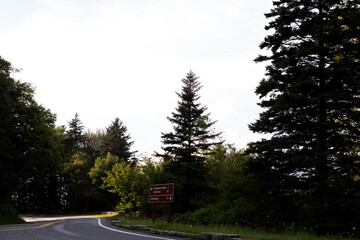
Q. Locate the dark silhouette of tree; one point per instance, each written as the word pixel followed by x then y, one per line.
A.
pixel 11 156
pixel 117 142
pixel 30 148
pixel 185 147
pixel 75 139
pixel 310 167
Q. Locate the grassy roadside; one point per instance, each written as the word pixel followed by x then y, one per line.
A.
pixel 5 220
pixel 243 232
pixel 8 214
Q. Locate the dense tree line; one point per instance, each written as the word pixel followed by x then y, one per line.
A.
pixel 29 144
pixel 306 175
pixel 46 168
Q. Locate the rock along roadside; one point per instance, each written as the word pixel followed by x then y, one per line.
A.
pixel 201 236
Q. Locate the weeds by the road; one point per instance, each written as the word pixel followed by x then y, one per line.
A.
pixel 8 214
pixel 243 232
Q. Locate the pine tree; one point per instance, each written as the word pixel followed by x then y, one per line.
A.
pixel 75 138
pixel 117 142
pixel 311 99
pixel 186 146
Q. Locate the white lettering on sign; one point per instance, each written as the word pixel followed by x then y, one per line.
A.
pixel 161 193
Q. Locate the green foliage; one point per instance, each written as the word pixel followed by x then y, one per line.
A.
pixel 93 142
pixel 80 194
pixel 15 98
pixel 77 168
pixel 226 174
pixel 232 197
pixel 192 128
pixel 101 166
pixel 45 168
pixel 75 138
pixel 307 171
pixel 8 214
pixel 243 232
pixel 77 182
pixel 184 147
pixel 39 183
pixel 153 171
pixel 235 195
pixel 30 146
pixel 76 164
pixel 127 182
pixel 202 216
pixel 117 142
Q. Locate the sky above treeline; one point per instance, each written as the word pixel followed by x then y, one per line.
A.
pixel 105 59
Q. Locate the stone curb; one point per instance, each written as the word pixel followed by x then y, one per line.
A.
pixel 201 236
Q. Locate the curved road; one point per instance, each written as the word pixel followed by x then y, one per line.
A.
pixel 73 229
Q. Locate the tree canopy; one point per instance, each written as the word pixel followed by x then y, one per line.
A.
pixel 30 147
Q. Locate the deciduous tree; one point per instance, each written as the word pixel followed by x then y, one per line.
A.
pixel 30 146
pixel 127 182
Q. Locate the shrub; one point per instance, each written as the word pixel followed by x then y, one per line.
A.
pixel 8 214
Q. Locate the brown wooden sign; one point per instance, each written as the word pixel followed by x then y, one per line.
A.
pixel 161 193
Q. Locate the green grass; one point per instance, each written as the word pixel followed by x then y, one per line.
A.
pixel 243 232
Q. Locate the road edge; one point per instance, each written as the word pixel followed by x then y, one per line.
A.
pixel 131 233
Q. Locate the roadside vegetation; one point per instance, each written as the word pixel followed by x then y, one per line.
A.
pixel 243 232
pixel 8 214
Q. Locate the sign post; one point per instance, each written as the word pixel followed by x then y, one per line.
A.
pixel 161 193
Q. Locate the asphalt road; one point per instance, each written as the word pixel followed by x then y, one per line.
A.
pixel 73 229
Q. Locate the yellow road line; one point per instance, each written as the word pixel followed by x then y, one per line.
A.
pixel 12 225
pixel 26 228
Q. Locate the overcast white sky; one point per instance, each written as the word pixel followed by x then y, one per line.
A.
pixel 105 59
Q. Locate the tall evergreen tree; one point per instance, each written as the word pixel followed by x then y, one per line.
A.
pixel 185 147
pixel 117 142
pixel 311 96
pixel 75 138
pixel 77 163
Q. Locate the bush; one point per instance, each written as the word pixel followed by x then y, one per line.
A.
pixel 8 214
pixel 202 216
